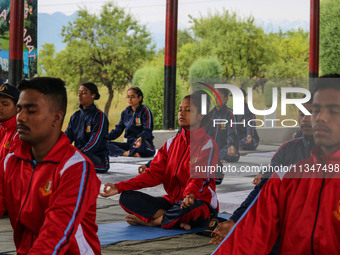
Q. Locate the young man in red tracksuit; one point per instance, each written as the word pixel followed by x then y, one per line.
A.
pixel 9 96
pixel 191 198
pixel 48 187
pixel 303 206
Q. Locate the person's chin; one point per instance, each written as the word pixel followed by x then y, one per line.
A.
pixel 25 137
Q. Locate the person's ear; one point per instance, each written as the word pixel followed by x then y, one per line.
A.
pixel 58 119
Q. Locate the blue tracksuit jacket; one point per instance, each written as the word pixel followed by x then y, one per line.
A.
pixel 88 130
pixel 247 130
pixel 290 152
pixel 225 135
pixel 136 124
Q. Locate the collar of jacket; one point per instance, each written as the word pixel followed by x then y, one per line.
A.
pixel 223 107
pixel 333 158
pixel 129 108
pixel 192 135
pixel 308 143
pixel 12 122
pixel 90 108
pixel 57 152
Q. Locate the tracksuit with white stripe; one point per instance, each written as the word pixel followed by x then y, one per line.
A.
pixel 289 153
pixel 176 167
pixel 51 204
pixel 136 124
pixel 88 130
pixel 302 207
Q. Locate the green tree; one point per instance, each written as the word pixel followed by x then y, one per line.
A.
pixel 150 78
pixel 206 68
pixel 238 43
pixel 105 49
pixel 292 54
pixel 330 36
pixel 47 64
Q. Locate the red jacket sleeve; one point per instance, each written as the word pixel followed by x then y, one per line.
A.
pixel 2 195
pixel 258 229
pixel 152 176
pixel 74 197
pixel 208 156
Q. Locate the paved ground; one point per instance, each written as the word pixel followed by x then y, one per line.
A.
pixel 231 193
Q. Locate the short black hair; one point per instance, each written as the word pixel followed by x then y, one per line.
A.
pixel 195 99
pixel 138 92
pixel 92 88
pixel 327 81
pixel 199 93
pixel 53 88
pixel 224 91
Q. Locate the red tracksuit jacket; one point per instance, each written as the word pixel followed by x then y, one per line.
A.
pixel 9 137
pixel 305 211
pixel 51 204
pixel 173 164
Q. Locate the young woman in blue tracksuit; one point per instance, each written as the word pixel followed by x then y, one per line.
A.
pixel 137 121
pixel 247 135
pixel 88 128
pixel 224 134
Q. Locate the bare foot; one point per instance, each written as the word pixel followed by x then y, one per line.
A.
pixel 186 226
pixel 126 153
pixel 134 221
pixel 137 155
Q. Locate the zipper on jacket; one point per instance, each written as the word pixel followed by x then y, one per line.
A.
pixel 179 191
pixel 318 207
pixel 34 164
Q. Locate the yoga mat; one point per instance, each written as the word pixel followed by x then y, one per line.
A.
pixel 112 233
pixel 121 231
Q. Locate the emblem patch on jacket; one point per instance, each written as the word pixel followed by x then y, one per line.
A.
pixel 7 145
pixel 193 160
pixel 3 87
pixel 88 129
pixel 223 126
pixel 46 190
pixel 138 122
pixel 336 213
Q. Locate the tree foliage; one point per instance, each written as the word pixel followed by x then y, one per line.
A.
pixel 292 54
pixel 330 36
pixel 150 78
pixel 104 49
pixel 238 43
pixel 206 68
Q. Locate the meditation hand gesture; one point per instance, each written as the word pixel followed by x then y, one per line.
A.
pixel 231 150
pixel 138 143
pixel 221 231
pixel 109 190
pixel 188 201
pixel 249 139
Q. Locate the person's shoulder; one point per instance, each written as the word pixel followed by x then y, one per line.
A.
pixel 228 110
pixel 291 143
pixel 145 108
pixel 75 114
pixel 73 156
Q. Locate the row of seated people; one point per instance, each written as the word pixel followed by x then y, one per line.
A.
pixel 46 152
pixel 88 129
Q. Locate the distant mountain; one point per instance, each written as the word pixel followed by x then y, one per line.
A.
pixel 50 26
pixel 285 25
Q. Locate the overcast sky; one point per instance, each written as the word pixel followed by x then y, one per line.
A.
pixel 149 11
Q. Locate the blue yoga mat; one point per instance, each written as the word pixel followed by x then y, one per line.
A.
pixel 121 231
